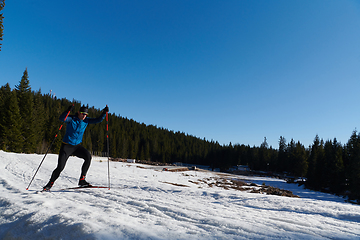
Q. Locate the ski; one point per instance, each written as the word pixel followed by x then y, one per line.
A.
pixel 41 191
pixel 76 188
pixel 73 188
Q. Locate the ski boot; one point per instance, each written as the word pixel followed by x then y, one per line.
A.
pixel 48 186
pixel 83 183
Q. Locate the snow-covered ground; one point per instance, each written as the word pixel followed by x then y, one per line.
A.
pixel 147 203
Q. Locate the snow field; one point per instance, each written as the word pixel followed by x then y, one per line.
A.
pixel 147 203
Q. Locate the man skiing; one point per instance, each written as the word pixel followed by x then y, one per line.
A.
pixel 75 128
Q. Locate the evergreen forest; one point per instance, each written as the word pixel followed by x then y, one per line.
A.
pixel 29 123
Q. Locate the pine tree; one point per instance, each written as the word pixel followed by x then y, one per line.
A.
pixel 11 137
pixel 316 166
pixel 26 107
pixel 335 166
pixel 282 157
pixel 353 171
pixel 39 115
pixel 2 110
pixel 264 156
pixel 300 160
pixel 54 109
pixel 289 166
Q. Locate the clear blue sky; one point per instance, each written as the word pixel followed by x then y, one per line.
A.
pixel 228 71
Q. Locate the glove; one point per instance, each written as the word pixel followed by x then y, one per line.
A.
pixel 70 108
pixel 106 109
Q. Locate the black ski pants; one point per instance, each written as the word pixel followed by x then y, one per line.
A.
pixel 66 151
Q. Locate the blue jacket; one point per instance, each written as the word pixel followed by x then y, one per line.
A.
pixel 75 127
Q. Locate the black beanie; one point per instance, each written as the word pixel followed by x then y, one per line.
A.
pixel 83 109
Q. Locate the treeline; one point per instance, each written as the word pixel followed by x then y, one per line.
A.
pixel 29 123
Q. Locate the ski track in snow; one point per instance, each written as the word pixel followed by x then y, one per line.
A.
pixel 143 203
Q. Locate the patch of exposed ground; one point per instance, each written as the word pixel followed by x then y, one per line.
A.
pixel 228 183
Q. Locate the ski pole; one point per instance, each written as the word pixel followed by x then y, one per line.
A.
pixel 48 150
pixel 107 139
